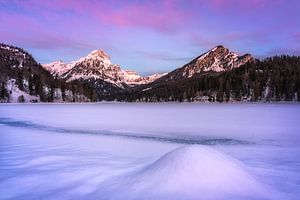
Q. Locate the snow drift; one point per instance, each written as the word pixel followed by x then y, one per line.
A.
pixel 190 172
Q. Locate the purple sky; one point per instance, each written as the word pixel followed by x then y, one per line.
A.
pixel 150 36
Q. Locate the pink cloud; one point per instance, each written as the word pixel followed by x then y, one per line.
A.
pixel 159 15
pixel 160 18
pixel 26 31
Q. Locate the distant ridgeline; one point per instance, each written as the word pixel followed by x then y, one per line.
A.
pixel 215 76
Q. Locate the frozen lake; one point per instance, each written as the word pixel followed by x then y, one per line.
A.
pixel 150 151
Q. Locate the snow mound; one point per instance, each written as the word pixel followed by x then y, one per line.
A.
pixel 193 172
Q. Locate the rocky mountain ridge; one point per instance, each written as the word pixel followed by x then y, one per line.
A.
pixel 97 65
pixel 218 59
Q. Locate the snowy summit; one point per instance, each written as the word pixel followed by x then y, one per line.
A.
pixel 97 65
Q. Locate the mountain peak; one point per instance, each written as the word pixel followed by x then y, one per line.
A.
pixel 217 59
pixel 99 54
pixel 218 47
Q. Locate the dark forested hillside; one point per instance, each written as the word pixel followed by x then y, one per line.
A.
pixel 21 76
pixel 272 79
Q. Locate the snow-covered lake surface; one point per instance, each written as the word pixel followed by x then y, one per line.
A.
pixel 150 151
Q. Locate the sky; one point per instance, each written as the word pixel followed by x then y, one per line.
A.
pixel 150 36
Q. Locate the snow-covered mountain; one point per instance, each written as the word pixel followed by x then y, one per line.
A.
pixel 218 59
pixel 211 76
pixel 184 82
pixel 97 66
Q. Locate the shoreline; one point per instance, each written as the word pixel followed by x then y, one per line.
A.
pixel 170 102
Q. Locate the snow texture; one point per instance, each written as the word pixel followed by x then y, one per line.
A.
pixel 15 93
pixel 150 151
